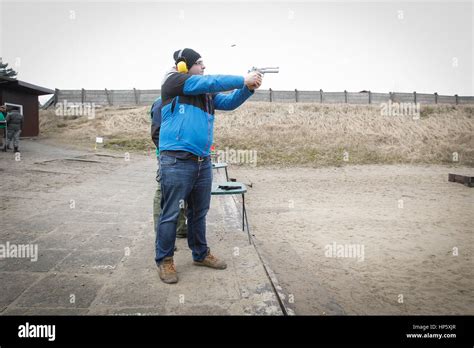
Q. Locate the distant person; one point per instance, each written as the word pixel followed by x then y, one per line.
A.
pixel 3 123
pixel 14 125
pixel 189 99
pixel 182 229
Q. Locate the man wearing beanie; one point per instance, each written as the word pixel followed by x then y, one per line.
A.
pixel 189 99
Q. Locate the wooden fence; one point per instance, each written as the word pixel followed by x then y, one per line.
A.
pixel 146 97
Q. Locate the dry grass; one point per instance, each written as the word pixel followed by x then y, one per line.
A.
pixel 303 134
pixel 123 128
pixel 319 134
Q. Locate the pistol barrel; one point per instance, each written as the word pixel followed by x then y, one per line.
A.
pixel 269 70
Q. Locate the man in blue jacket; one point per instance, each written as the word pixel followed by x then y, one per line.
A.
pixel 189 99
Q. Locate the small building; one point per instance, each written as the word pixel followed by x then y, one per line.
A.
pixel 23 96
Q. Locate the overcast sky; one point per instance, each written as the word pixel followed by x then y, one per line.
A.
pixel 389 46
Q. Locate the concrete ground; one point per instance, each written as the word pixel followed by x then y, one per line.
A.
pixel 91 217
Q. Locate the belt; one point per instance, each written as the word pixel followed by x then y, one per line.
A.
pixel 184 155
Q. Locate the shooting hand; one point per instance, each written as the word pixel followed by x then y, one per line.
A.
pixel 256 85
pixel 253 80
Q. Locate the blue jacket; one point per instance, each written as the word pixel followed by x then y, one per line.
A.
pixel 188 104
pixel 155 114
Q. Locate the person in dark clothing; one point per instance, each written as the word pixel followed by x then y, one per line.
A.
pixel 3 127
pixel 14 125
pixel 182 228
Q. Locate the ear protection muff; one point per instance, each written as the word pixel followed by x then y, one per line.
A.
pixel 181 64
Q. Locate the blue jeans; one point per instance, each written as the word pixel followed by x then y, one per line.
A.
pixel 183 181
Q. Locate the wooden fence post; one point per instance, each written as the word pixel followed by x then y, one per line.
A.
pixel 296 95
pixel 56 96
pixel 271 95
pixel 345 96
pixel 457 99
pixel 370 97
pixel 83 95
pixel 414 97
pixel 436 97
pixel 321 96
pixel 109 99
pixel 137 97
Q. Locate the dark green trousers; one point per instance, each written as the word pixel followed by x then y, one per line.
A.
pixel 181 228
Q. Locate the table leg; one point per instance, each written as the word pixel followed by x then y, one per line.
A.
pixel 244 215
pixel 243 210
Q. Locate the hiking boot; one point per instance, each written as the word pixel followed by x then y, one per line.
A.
pixel 16 150
pixel 211 261
pixel 167 271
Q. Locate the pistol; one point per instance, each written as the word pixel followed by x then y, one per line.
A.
pixel 270 70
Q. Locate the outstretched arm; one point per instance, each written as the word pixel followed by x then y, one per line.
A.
pixel 198 84
pixel 178 84
pixel 232 100
pixel 184 84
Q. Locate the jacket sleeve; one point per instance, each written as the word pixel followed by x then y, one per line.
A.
pixel 198 84
pixel 233 100
pixel 184 84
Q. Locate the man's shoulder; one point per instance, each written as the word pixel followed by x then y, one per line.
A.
pixel 175 78
pixel 173 86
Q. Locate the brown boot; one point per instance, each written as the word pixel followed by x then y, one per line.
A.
pixel 167 271
pixel 211 261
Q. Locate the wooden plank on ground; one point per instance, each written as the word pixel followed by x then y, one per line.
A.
pixel 462 179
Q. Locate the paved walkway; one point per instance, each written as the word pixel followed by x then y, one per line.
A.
pixel 91 218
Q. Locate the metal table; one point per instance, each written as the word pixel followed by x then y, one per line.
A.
pixel 220 165
pixel 236 189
